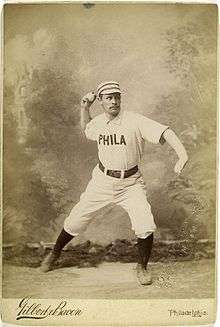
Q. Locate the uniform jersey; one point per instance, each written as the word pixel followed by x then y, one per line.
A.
pixel 121 140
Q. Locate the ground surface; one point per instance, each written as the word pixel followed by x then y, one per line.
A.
pixel 188 279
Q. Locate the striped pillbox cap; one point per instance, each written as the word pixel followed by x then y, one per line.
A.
pixel 108 88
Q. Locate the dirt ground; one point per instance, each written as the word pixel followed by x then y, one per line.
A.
pixel 188 279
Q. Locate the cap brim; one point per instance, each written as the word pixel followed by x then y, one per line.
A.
pixel 111 91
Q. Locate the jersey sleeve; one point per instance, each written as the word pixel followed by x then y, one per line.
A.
pixel 91 130
pixel 151 130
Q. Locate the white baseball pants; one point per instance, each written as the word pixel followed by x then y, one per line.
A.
pixel 129 193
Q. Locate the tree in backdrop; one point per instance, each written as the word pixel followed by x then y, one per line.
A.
pixel 42 160
pixel 23 187
pixel 191 58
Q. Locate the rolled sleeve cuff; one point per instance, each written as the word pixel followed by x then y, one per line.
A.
pixel 162 139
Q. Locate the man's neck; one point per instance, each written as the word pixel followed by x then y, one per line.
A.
pixel 111 117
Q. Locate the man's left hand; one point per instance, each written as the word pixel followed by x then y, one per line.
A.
pixel 180 165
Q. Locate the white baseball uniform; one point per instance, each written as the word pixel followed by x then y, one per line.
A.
pixel 120 146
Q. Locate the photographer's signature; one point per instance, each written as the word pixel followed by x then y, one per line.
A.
pixel 32 309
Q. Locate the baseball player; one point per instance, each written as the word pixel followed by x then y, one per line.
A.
pixel 120 136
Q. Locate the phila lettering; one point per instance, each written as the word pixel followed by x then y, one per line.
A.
pixel 112 139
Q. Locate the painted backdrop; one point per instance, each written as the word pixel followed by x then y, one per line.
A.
pixel 164 57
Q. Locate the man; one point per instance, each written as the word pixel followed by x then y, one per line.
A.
pixel 120 137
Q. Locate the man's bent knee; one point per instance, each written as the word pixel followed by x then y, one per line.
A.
pixel 74 227
pixel 69 230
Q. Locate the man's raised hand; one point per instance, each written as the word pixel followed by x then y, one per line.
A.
pixel 88 100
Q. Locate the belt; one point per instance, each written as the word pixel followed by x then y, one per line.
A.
pixel 118 173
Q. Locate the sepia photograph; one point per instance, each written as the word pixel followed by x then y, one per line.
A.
pixel 109 163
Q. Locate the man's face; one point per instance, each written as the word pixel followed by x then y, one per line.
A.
pixel 111 103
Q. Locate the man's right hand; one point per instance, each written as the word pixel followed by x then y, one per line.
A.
pixel 88 100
